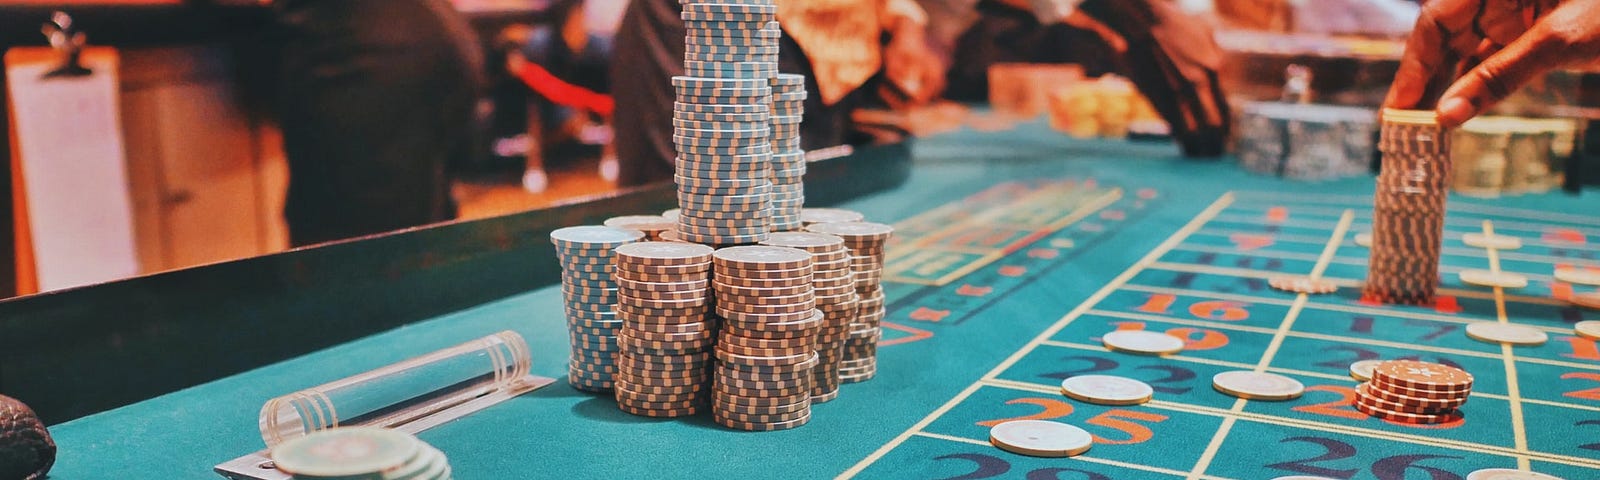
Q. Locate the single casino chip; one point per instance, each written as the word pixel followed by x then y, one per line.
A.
pixel 1578 275
pixel 1589 300
pixel 1300 284
pixel 1589 329
pixel 1142 342
pixel 593 236
pixel 1106 390
pixel 1496 332
pixel 1040 438
pixel 1362 370
pixel 1365 397
pixel 760 427
pixel 663 253
pixel 1389 395
pixel 644 223
pixel 1508 474
pixel 1411 418
pixel 1423 376
pixel 1364 239
pixel 760 257
pixel 1497 242
pixel 1257 385
pixel 1486 278
pixel 346 452
pixel 854 233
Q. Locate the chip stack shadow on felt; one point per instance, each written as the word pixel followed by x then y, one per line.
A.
pixel 722 123
pixel 1408 208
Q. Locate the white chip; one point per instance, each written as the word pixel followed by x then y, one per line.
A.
pixel 1106 390
pixel 1485 278
pixel 1257 385
pixel 1496 332
pixel 1142 342
pixel 1497 242
pixel 1508 474
pixel 1362 370
pixel 1585 300
pixel 1364 239
pixel 1589 329
pixel 1578 275
pixel 1040 438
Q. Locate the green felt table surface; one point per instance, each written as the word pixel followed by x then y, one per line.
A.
pixel 970 345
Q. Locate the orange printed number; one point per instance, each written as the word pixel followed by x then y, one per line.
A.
pixel 1338 408
pixel 1220 310
pixel 1582 349
pixel 1590 394
pixel 1159 303
pixel 1114 419
pixel 1050 409
pixel 1207 339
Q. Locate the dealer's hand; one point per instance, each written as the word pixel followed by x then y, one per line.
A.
pixel 1517 40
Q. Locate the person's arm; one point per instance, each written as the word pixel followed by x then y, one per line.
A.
pixel 908 62
pixel 1518 41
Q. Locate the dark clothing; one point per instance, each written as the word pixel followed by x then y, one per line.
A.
pixel 649 51
pixel 378 97
pixel 1006 34
pixel 1173 60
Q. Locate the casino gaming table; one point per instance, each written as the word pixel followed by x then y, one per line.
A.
pixel 1014 251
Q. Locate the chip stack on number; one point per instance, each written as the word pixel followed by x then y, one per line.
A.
pixel 1415 392
pixel 767 347
pixel 788 159
pixel 591 294
pixel 664 302
pixel 833 286
pixel 360 453
pixel 721 122
pixel 867 242
pixel 1408 208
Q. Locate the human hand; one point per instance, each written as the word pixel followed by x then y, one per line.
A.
pixel 912 67
pixel 1517 40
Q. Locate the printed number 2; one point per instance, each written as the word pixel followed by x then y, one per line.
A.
pixel 1116 419
pixel 989 466
pixel 1387 468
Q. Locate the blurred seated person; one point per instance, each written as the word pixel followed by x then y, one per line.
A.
pixel 1169 55
pixel 565 67
pixel 377 98
pixel 1007 31
pixel 847 49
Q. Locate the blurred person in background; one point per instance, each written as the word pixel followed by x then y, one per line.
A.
pixel 1008 31
pixel 1170 55
pixel 376 98
pixel 565 66
pixel 847 49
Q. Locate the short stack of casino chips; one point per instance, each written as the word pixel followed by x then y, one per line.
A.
pixel 767 347
pixel 585 254
pixel 867 242
pixel 721 122
pixel 664 302
pixel 360 453
pixel 652 225
pixel 788 158
pixel 1408 208
pixel 833 286
pixel 1415 392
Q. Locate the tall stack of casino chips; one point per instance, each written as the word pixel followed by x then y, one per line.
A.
pixel 721 122
pixel 1414 392
pixel 1408 208
pixel 664 302
pixel 788 159
pixel 833 286
pixel 590 293
pixel 767 348
pixel 867 242
pixel 365 453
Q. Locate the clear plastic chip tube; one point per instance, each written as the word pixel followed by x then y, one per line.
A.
pixel 402 392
